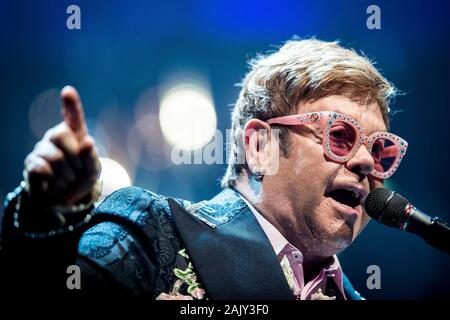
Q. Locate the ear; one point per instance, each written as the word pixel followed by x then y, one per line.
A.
pixel 260 147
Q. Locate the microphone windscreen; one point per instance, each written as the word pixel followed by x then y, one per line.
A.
pixel 386 206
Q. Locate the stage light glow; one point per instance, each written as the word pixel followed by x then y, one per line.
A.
pixel 187 116
pixel 113 176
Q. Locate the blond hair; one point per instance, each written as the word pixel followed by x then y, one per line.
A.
pixel 301 70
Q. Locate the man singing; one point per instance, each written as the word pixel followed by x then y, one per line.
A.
pixel 309 141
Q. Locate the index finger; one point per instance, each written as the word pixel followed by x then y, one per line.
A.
pixel 72 111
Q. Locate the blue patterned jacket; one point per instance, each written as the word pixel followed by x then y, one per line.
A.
pixel 142 243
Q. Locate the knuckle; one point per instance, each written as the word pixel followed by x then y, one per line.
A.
pixel 39 146
pixel 28 159
pixel 37 168
pixel 50 132
pixel 60 133
pixel 31 163
pixel 48 151
pixel 56 158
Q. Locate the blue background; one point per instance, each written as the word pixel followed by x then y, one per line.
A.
pixel 127 48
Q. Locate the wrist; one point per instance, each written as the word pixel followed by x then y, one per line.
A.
pixel 37 220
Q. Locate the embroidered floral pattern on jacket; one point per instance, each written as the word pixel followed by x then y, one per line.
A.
pixel 186 287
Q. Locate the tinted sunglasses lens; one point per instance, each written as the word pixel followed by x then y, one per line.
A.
pixel 342 138
pixel 384 153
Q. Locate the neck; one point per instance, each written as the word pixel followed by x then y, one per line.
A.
pixel 313 258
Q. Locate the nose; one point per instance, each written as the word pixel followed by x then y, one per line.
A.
pixel 361 163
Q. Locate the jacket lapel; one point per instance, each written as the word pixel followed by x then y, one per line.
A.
pixel 231 253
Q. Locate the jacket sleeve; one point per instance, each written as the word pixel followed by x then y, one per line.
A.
pixel 129 246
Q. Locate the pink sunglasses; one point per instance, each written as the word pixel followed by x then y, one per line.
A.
pixel 343 136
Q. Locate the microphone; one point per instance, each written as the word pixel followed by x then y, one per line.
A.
pixel 391 209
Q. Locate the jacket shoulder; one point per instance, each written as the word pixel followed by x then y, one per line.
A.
pixel 125 219
pixel 130 201
pixel 126 215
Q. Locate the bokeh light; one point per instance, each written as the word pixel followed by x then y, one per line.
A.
pixel 113 176
pixel 187 116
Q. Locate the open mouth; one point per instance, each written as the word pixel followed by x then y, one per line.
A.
pixel 346 197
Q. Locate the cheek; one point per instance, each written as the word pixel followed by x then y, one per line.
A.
pixel 311 172
pixel 300 162
pixel 309 159
pixel 306 174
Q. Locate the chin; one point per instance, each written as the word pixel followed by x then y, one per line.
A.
pixel 333 237
pixel 338 241
pixel 341 243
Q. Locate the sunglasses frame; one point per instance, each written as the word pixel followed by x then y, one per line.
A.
pixel 327 118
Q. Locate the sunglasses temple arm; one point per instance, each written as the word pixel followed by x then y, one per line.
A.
pixel 292 121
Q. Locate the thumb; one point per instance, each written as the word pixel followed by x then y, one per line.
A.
pixel 72 111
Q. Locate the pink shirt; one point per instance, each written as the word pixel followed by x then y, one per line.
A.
pixel 291 261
